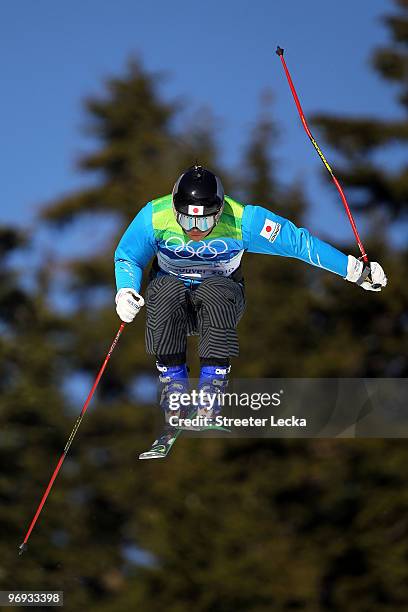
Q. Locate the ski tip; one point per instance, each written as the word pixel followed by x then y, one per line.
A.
pixel 152 455
pixel 156 452
pixel 22 548
pixel 279 50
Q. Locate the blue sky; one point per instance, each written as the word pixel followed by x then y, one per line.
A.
pixel 220 54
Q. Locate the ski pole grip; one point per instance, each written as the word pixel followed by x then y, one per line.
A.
pixel 279 50
pixel 366 276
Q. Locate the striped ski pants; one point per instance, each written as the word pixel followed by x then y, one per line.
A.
pixel 210 310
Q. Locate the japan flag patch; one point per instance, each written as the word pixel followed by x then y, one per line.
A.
pixel 270 230
pixel 195 210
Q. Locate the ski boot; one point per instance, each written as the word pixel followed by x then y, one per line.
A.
pixel 212 384
pixel 174 381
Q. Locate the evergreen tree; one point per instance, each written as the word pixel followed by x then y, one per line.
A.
pixel 372 331
pixel 33 423
pixel 359 139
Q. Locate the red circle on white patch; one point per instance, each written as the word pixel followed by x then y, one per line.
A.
pixel 268 228
pixel 195 210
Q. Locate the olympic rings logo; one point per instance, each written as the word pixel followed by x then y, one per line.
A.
pixel 207 250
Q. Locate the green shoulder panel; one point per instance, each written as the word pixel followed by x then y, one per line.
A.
pixel 229 226
pixel 163 218
pixel 165 224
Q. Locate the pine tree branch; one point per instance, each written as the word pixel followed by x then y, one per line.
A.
pixel 356 136
pixel 377 188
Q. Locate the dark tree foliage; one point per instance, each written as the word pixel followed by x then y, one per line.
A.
pixel 32 421
pixel 358 139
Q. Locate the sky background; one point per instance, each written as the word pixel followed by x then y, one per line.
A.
pixel 219 54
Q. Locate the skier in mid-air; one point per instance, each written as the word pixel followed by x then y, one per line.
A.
pixel 197 236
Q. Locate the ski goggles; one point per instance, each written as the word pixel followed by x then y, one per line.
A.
pixel 189 222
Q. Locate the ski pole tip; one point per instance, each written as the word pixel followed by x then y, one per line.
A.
pixel 279 50
pixel 22 548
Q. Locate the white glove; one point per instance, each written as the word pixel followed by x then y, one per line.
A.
pixel 358 271
pixel 128 304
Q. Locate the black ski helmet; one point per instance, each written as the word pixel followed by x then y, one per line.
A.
pixel 198 187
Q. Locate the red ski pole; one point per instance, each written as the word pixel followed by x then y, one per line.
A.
pixel 23 546
pixel 364 256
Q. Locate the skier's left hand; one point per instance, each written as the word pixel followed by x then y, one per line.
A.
pixel 357 272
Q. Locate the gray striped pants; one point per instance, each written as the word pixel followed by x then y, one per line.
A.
pixel 211 310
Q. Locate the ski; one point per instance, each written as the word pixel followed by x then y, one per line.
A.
pixel 162 445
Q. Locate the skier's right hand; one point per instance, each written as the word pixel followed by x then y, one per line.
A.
pixel 128 304
pixel 357 272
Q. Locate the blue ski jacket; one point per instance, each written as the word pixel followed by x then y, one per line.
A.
pixel 241 228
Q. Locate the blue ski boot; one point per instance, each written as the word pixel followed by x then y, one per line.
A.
pixel 174 381
pixel 211 386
